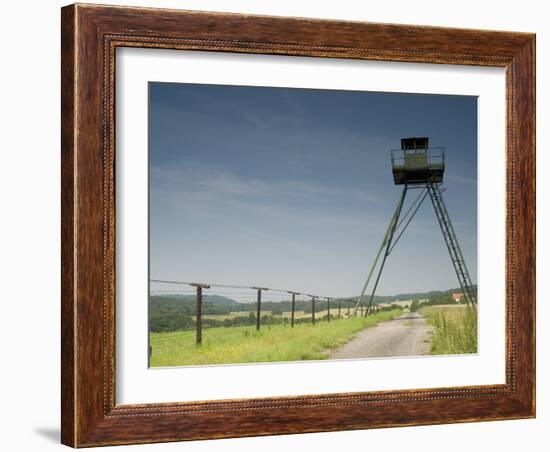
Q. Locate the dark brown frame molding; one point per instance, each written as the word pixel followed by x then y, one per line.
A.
pixel 90 35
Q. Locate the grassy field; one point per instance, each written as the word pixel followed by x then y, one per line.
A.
pixel 455 329
pixel 246 345
pixel 231 315
pixel 287 314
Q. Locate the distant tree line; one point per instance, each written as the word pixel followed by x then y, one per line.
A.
pixel 213 304
pixel 173 314
pixel 177 312
pixel 179 321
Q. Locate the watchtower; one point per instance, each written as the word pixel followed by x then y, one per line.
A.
pixel 417 163
pixel 417 166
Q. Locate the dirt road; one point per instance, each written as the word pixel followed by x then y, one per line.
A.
pixel 407 335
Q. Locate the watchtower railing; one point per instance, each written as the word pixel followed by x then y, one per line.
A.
pixel 418 158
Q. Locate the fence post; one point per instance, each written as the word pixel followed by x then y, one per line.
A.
pixel 339 309
pixel 312 310
pixel 293 306
pixel 349 304
pixel 198 313
pixel 259 310
pixel 328 309
pixel 259 306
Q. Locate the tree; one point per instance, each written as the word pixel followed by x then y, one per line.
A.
pixel 251 318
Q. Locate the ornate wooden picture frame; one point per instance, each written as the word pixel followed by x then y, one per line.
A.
pixel 90 37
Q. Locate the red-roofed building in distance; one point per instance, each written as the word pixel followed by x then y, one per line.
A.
pixel 458 297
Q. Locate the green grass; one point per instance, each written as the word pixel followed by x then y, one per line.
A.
pixel 246 345
pixel 455 329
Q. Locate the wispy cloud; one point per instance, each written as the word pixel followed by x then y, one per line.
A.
pixel 197 182
pixel 219 197
pixel 461 179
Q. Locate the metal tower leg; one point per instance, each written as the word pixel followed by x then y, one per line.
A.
pixel 451 241
pixel 386 242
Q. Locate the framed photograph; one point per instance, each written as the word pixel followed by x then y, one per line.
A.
pixel 281 225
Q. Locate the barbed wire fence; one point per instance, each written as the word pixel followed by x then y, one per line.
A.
pixel 254 297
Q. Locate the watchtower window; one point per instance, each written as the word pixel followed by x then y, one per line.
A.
pixel 412 144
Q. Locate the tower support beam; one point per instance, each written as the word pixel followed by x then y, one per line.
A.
pixel 386 242
pixel 459 264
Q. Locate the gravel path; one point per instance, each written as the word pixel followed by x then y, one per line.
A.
pixel 407 335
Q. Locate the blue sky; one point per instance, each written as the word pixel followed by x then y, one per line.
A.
pixel 292 188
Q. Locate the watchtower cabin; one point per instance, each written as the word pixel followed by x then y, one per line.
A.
pixel 416 163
